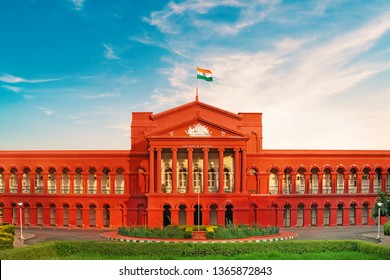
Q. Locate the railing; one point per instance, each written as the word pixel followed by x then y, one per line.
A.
pixel 65 190
pixel 105 191
pixel 2 189
pixel 120 191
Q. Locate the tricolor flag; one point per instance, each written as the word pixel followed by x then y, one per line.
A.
pixel 204 74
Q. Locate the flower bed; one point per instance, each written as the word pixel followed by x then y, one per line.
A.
pixel 229 231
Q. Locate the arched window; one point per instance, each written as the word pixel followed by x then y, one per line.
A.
pixel 227 182
pixel 366 181
pixel 314 181
pixel 287 189
pixel 65 181
pixel 51 181
pixel 327 182
pixel 106 181
pixel 92 181
pixel 119 182
pixel 340 181
pixel 300 182
pixel 2 181
pixel 273 181
pixel 378 181
pixel 213 180
pixel 78 182
pixel 167 180
pixel 13 181
pixel 388 180
pixel 26 181
pixel 38 181
pixel 352 181
pixel 182 180
pixel 198 186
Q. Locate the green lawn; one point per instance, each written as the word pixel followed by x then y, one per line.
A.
pixel 282 250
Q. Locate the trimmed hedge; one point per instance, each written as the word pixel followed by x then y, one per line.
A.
pixel 212 232
pixel 65 249
pixel 386 228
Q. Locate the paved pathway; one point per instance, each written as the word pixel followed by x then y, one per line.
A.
pixel 37 235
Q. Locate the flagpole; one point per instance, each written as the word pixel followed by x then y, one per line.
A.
pixel 196 97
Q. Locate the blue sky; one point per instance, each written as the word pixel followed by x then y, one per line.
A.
pixel 73 71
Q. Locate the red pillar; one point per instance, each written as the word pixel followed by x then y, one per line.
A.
pixel 372 176
pixel 307 182
pixel 358 215
pixel 280 182
pixel 320 179
pixel 174 169
pixel 220 171
pixel 293 182
pixel 293 216
pixel 359 175
pixel 334 181
pixel 243 170
pixel 158 171
pixel 320 216
pixel 333 216
pixel 205 170
pixel 236 170
pixel 384 175
pixel 190 185
pixel 346 181
pixel 151 171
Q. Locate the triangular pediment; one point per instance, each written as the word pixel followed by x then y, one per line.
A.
pixel 196 128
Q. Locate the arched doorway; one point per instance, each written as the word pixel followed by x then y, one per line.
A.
pixel 106 215
pixel 313 213
pixel 327 214
pixel 182 215
pixel 352 214
pixel 198 215
pixel 229 214
pixel 300 215
pixel 27 214
pixel 79 215
pixel 287 215
pixel 92 215
pixel 53 209
pixel 167 215
pixel 66 214
pixel 213 215
pixel 340 210
pixel 39 214
pixel 365 213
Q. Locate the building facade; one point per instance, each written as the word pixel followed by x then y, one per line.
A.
pixel 193 164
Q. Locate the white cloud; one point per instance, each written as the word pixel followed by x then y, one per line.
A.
pixel 299 85
pixel 191 12
pixel 12 88
pixel 78 4
pixel 46 111
pixel 109 52
pixel 10 79
pixel 101 95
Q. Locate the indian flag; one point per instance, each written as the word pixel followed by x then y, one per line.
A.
pixel 204 74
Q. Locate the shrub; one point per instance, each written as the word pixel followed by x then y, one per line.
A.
pixel 188 232
pixel 210 233
pixel 8 228
pixel 386 228
pixel 6 240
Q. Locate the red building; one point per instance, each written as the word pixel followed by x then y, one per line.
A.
pixel 192 164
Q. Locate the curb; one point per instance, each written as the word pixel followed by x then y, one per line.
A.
pixel 116 237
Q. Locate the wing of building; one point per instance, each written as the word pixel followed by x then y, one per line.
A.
pixel 193 164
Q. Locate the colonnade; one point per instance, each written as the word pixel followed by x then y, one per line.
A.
pixel 202 180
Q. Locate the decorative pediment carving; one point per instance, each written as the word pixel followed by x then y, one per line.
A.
pixel 198 130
